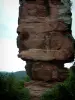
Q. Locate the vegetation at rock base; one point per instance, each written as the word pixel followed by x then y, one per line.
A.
pixel 27 78
pixel 12 88
pixel 63 91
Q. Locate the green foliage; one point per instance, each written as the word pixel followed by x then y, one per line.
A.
pixel 67 3
pixel 27 78
pixel 24 94
pixel 64 12
pixel 62 91
pixel 20 74
pixel 12 88
pixel 70 82
pixel 59 92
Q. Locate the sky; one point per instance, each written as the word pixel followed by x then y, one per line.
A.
pixel 8 48
pixel 8 25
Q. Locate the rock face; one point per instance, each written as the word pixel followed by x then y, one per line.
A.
pixel 37 88
pixel 45 38
pixel 47 71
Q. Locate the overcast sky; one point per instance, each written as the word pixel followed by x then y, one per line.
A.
pixel 8 25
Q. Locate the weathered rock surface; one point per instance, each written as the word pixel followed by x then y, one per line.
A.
pixel 45 42
pixel 46 71
pixel 37 88
pixel 47 46
pixel 44 36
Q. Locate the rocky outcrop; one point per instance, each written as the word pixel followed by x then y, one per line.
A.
pixel 45 42
pixel 45 38
pixel 37 88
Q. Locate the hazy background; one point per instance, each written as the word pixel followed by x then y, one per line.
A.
pixel 8 25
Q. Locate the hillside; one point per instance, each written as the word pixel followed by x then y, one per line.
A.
pixel 18 74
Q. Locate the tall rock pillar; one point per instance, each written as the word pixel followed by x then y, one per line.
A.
pixel 45 38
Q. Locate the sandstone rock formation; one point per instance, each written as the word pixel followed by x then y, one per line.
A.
pixel 44 38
